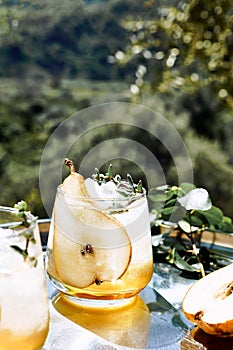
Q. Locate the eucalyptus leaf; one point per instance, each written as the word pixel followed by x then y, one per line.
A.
pixel 213 216
pixel 156 196
pixel 178 261
pixel 171 202
pixel 168 211
pixel 196 218
pixel 187 187
pixel 182 264
pixel 139 187
pixel 196 199
pixel 158 206
pixel 171 194
pixel 186 227
pixel 226 225
pixel 19 250
pixel 165 194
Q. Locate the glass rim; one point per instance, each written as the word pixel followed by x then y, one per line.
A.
pixel 118 199
pixel 13 211
pixel 8 209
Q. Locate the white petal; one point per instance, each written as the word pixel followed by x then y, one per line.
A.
pixel 197 199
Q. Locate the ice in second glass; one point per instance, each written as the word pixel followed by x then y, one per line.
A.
pixel 99 247
pixel 24 311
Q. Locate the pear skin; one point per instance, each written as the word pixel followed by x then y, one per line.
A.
pixel 209 302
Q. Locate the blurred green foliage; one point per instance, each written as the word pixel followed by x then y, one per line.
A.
pixel 59 57
pixel 191 42
pixel 185 50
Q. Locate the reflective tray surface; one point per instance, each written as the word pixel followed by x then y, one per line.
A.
pixel 150 322
pixel 154 320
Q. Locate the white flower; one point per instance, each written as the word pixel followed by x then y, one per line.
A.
pixel 197 199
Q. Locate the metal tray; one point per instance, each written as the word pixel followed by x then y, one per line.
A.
pixel 153 321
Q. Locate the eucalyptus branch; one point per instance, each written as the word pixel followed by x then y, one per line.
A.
pixel 194 247
pixel 27 233
pixel 198 214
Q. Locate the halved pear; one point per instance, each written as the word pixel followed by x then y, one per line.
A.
pixel 89 246
pixel 209 302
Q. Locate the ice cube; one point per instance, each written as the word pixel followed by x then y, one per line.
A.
pixel 105 190
pixel 4 233
pixel 17 290
pixel 10 259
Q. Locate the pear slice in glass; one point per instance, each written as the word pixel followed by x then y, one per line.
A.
pixel 90 246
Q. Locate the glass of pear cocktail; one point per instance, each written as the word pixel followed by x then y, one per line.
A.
pixel 24 311
pixel 99 246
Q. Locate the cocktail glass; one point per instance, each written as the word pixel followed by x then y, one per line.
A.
pixel 99 250
pixel 24 312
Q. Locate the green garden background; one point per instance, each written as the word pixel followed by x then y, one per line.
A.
pixel 58 57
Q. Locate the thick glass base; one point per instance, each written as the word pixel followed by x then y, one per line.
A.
pixel 97 303
pixel 94 299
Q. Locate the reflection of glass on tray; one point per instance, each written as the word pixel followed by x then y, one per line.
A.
pixel 127 325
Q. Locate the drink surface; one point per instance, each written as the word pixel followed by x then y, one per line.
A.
pixel 66 253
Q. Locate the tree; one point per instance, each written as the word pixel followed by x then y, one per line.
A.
pixel 188 45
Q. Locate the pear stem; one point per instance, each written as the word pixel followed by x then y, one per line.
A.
pixel 70 164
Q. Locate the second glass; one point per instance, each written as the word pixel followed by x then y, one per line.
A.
pixel 99 249
pixel 24 308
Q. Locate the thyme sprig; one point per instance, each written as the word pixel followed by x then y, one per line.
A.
pixel 27 233
pixel 125 187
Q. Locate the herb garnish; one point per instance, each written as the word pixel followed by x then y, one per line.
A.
pixel 27 233
pixel 192 213
pixel 125 187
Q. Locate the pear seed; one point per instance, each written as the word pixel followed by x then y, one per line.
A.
pixel 198 315
pixel 87 249
pixel 98 282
